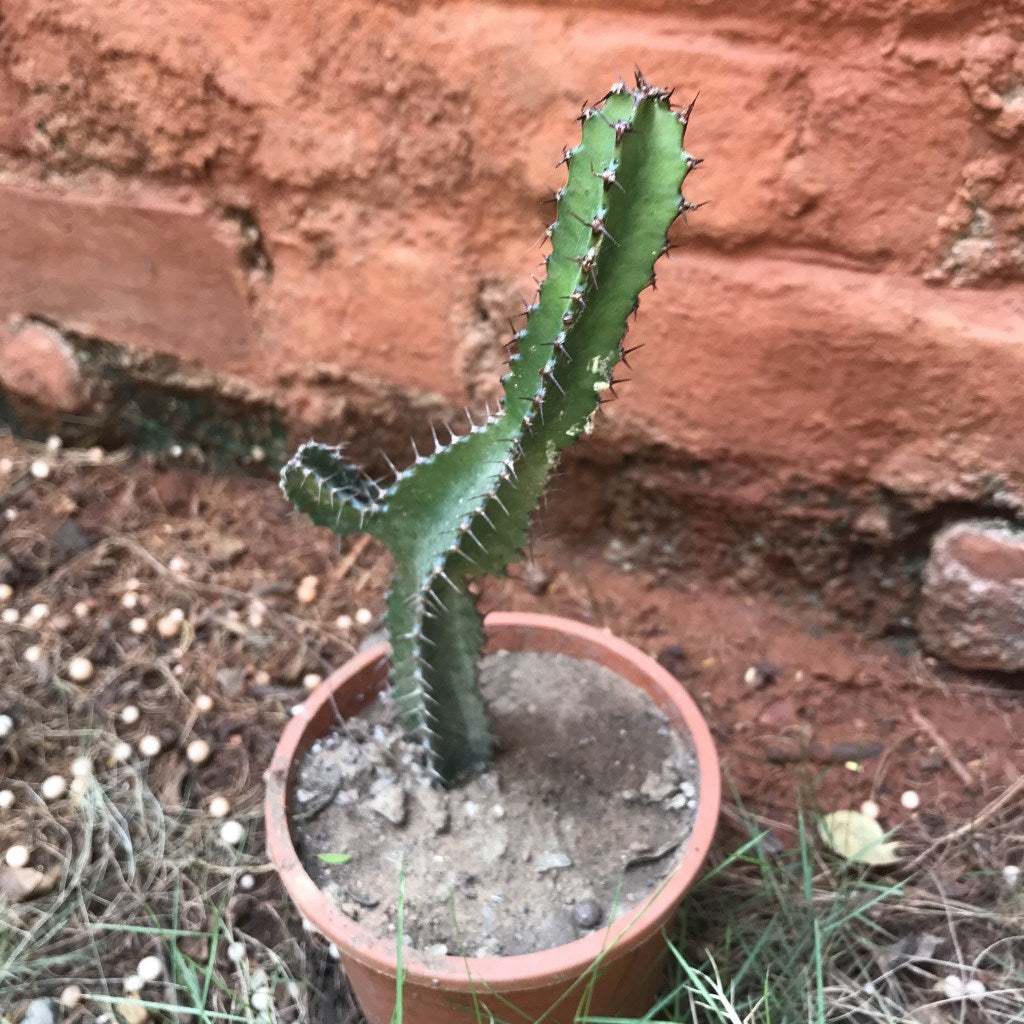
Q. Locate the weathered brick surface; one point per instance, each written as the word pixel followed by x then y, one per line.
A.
pixel 140 272
pixel 276 188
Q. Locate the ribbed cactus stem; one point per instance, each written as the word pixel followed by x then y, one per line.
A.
pixel 464 509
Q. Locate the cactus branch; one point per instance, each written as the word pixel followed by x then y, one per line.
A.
pixel 465 509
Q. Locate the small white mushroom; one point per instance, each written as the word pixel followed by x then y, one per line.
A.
pixel 307 589
pixel 10 616
pixel 80 669
pixel 70 997
pixel 6 799
pixel 96 455
pixel 54 787
pixel 870 809
pixel 910 800
pixel 130 714
pixel 150 745
pixel 260 1001
pixel 81 767
pixel 6 592
pixel 168 626
pixel 235 952
pixel 6 726
pixel 37 613
pixel 40 469
pixel 247 882
pixel 6 466
pixel 132 583
pixel 219 807
pixel 139 625
pixel 83 609
pixel 198 751
pixel 133 984
pixel 130 600
pixel 179 565
pixel 204 703
pixel 150 968
pixel 311 680
pixel 33 655
pixel 1011 875
pixel 54 443
pixel 121 752
pixel 364 616
pixel 17 856
pixel 10 514
pixel 257 454
pixel 232 833
pixel 343 622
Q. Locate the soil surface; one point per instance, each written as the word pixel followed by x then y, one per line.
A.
pixel 584 812
pixel 800 704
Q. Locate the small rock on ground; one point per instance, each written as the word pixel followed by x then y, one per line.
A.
pixel 972 598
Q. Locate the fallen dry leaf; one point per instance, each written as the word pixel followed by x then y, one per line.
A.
pixel 857 837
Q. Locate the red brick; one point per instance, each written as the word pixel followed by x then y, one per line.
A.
pixel 149 274
pixel 832 374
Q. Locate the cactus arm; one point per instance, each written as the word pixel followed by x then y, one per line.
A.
pixel 465 508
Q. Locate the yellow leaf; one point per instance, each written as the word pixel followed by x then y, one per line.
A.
pixel 857 837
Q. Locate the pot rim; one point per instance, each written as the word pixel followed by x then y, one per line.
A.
pixel 523 970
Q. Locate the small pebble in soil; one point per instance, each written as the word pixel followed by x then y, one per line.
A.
pixel 311 680
pixel 80 669
pixel 587 914
pixel 130 714
pixel 40 469
pixel 7 800
pixel 552 860
pixel 150 745
pixel 121 752
pixel 33 655
pixel 6 592
pixel 219 807
pixel 139 625
pixel 364 616
pixel 306 591
pixel 6 726
pixel 232 833
pixel 761 675
pixel 53 787
pixel 150 968
pixel 204 703
pixel 70 997
pixel 870 809
pixel 910 800
pixel 1011 875
pixel 198 751
pixel 17 856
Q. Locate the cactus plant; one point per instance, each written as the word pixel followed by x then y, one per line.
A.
pixel 464 509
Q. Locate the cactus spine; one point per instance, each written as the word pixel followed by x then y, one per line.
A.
pixel 464 509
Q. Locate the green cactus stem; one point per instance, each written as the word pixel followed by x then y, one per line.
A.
pixel 464 509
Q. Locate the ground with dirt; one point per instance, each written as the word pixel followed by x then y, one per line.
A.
pixel 589 800
pixel 100 549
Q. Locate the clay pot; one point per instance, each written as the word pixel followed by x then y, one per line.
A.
pixel 554 984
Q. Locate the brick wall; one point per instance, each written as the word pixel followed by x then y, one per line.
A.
pixel 299 194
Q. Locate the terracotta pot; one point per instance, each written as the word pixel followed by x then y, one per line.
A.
pixel 629 952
